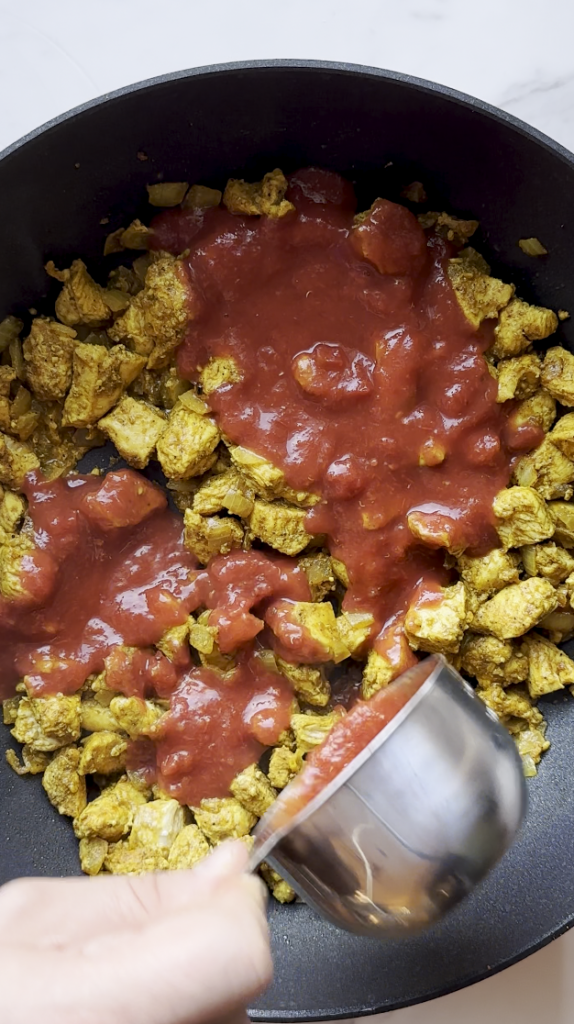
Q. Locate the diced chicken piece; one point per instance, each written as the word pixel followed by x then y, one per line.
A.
pixel 227 490
pixel 546 470
pixel 224 818
pixel 111 815
pixel 7 376
pixel 381 669
pixel 547 560
pixel 279 525
pixel 540 409
pixel 488 573
pixel 531 744
pixel 266 479
pixel 432 529
pixel 563 435
pixel 93 853
pixel 280 889
pixel 490 660
pixel 62 781
pixel 16 460
pixel 99 377
pixel 96 717
pixel 523 517
pixel 201 197
pixel 103 752
pixel 135 716
pixel 340 571
pixel 550 668
pixel 167 193
pixel 47 723
pixel 201 636
pixel 206 536
pixel 479 296
pixel 519 325
pixel 187 444
pixel 266 197
pixel 135 428
pixel 188 848
pixel 562 516
pixel 518 377
pixel 558 374
pixel 156 825
pixel 320 575
pixel 157 318
pixel 10 710
pixel 309 683
pixel 513 702
pixel 317 623
pixel 438 626
pixel 516 609
pixel 81 300
pixel 456 230
pixel 284 765
pixel 12 510
pixel 220 371
pixel 48 353
pixel 253 790
pixel 310 730
pixel 175 644
pixel 122 859
pixel 355 629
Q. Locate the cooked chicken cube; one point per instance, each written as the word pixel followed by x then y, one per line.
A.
pixel 284 765
pixel 206 536
pixel 513 702
pixel 279 525
pixel 81 300
pixel 562 436
pixel 16 460
pixel 355 629
pixel 48 352
pixel 531 744
pixel 135 716
pixel 219 372
pixel 187 444
pixel 175 644
pixel 377 674
pixel 157 318
pixel 166 193
pixel 265 478
pixel 562 515
pixel 547 470
pixel 227 490
pixel 488 573
pixel 122 859
pixel 92 855
pixel 10 710
pixel 103 752
pixel 516 609
pixel 550 668
pixel 321 578
pixel 98 379
pixel 266 197
pixel 7 376
pixel 157 825
pixel 519 325
pixel 96 717
pixel 135 428
pixel 310 730
pixel 479 296
pixel 201 636
pixel 224 818
pixel 47 723
pixel 253 790
pixel 111 815
pixel 65 786
pixel 309 683
pixel 280 889
pixel 490 660
pixel 523 517
pixel 438 625
pixel 547 560
pixel 201 197
pixel 558 374
pixel 317 623
pixel 518 377
pixel 188 848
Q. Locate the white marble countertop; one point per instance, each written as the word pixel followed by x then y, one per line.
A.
pixel 517 54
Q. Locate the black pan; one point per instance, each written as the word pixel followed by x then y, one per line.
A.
pixel 382 130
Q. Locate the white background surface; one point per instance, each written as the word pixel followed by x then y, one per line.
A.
pixel 518 54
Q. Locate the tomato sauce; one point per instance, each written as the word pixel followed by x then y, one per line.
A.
pixel 361 379
pixel 348 737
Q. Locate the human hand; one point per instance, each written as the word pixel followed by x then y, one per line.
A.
pixel 171 948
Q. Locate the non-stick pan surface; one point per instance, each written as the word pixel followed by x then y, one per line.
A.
pixel 382 130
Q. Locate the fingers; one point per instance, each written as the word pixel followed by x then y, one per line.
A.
pixel 51 912
pixel 200 964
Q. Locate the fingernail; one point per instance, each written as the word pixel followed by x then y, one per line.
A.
pixel 229 858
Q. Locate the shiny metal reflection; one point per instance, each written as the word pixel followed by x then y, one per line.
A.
pixel 414 822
